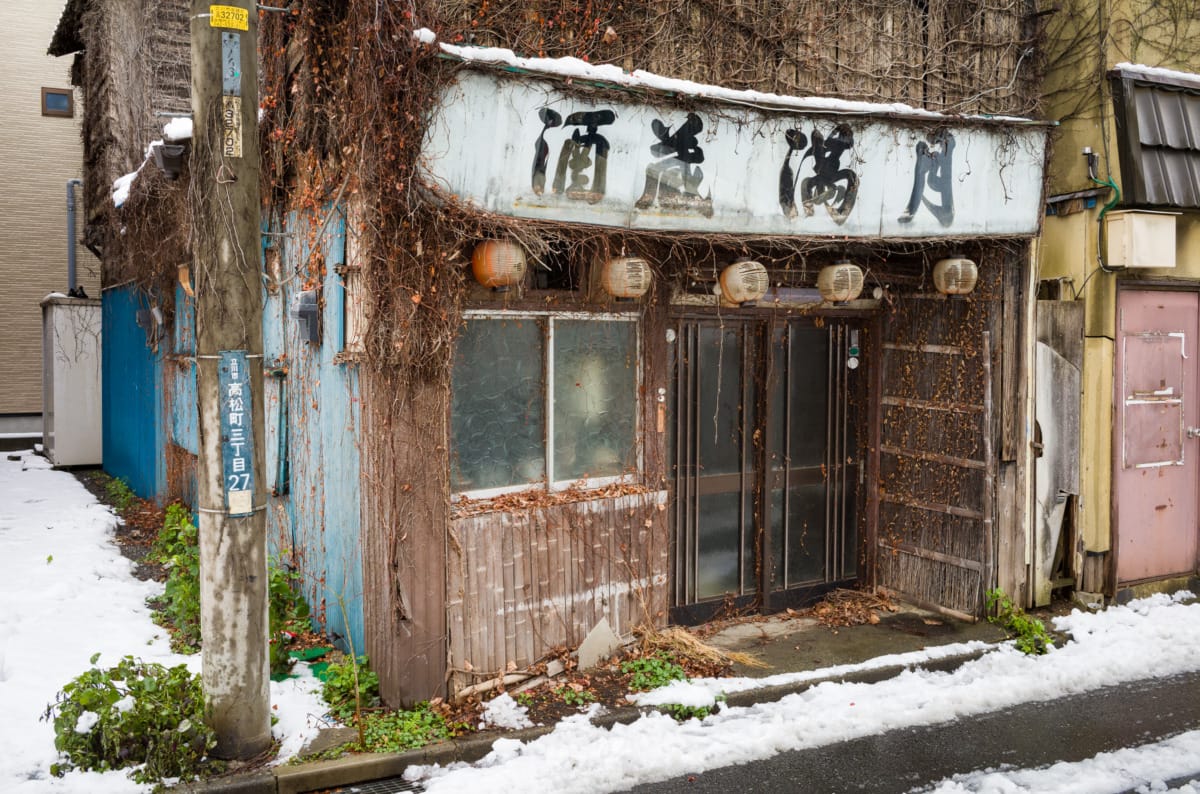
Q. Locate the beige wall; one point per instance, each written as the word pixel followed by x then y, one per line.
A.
pixel 40 153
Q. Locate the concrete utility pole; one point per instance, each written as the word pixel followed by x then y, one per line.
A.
pixel 229 367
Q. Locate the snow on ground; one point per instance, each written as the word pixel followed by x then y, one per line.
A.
pixel 504 712
pixel 1145 768
pixel 66 593
pixel 1106 648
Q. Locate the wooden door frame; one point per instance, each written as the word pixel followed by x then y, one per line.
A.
pixel 763 324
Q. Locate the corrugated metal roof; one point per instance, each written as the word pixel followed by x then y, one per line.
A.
pixel 1158 121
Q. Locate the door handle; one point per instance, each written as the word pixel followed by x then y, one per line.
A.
pixel 1193 432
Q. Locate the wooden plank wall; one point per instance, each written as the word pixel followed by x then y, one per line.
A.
pixel 936 492
pixel 521 584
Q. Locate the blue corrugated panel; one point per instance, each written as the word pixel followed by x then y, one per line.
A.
pixel 132 401
pixel 312 417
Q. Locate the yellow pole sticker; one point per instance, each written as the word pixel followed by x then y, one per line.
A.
pixel 229 17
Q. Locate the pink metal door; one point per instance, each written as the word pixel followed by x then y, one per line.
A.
pixel 1155 444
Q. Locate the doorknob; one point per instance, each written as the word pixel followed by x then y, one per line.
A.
pixel 1193 432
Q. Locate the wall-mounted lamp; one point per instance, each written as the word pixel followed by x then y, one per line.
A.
pixel 170 158
pixel 840 282
pixel 498 264
pixel 744 282
pixel 626 277
pixel 955 275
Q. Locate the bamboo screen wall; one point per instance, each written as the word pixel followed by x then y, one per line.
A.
pixel 945 55
pixel 937 476
pixel 521 584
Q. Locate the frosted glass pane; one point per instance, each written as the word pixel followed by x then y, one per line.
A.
pixel 497 418
pixel 720 387
pixel 806 534
pixel 595 398
pixel 717 544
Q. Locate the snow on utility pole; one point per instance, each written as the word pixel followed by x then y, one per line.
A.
pixel 229 367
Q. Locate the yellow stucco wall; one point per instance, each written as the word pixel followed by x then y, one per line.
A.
pixel 40 154
pixel 1080 99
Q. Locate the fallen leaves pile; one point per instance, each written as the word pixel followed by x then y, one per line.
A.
pixel 849 608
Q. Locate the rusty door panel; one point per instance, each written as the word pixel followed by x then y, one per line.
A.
pixel 1154 457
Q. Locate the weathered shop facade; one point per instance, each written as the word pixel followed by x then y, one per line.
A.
pixel 726 378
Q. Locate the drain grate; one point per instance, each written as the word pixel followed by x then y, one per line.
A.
pixel 391 785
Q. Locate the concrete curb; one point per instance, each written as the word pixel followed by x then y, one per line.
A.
pixel 315 775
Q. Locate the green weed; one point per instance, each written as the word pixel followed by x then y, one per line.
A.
pixel 177 547
pixel 119 494
pixel 393 731
pixel 1030 633
pixel 683 713
pixel 652 672
pixel 575 697
pixel 350 688
pixel 136 714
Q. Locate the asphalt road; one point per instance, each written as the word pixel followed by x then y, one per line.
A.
pixel 1031 735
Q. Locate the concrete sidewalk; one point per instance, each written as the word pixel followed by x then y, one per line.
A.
pixel 788 644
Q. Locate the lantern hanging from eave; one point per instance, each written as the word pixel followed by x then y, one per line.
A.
pixel 626 277
pixel 955 275
pixel 744 282
pixel 840 282
pixel 498 264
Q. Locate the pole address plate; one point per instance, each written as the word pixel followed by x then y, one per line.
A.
pixel 230 17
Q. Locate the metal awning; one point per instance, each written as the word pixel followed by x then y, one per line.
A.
pixel 1158 130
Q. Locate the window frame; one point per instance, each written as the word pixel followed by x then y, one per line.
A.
pixel 69 113
pixel 546 483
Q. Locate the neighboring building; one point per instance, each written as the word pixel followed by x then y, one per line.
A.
pixel 130 60
pixel 40 126
pixel 670 413
pixel 1119 499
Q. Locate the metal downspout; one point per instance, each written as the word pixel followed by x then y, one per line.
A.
pixel 71 287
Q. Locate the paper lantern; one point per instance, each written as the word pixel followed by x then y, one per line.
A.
pixel 744 282
pixel 840 282
pixel 626 277
pixel 955 276
pixel 498 264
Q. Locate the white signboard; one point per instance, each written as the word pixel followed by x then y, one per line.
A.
pixel 522 147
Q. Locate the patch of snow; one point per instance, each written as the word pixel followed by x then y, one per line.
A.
pixel 122 184
pixel 1105 648
pixel 87 720
pixel 424 35
pixel 300 710
pixel 1153 72
pixel 178 129
pixel 68 593
pixel 1145 768
pixel 576 69
pixel 696 689
pixel 504 712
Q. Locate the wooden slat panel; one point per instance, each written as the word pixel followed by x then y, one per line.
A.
pixel 965 463
pixel 934 492
pixel 926 405
pixel 543 578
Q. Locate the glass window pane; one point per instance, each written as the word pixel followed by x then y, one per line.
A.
pixel 808 404
pixel 497 419
pixel 720 384
pixel 58 102
pixel 806 534
pixel 717 544
pixel 595 398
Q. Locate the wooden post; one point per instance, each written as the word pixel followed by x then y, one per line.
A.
pixel 226 234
